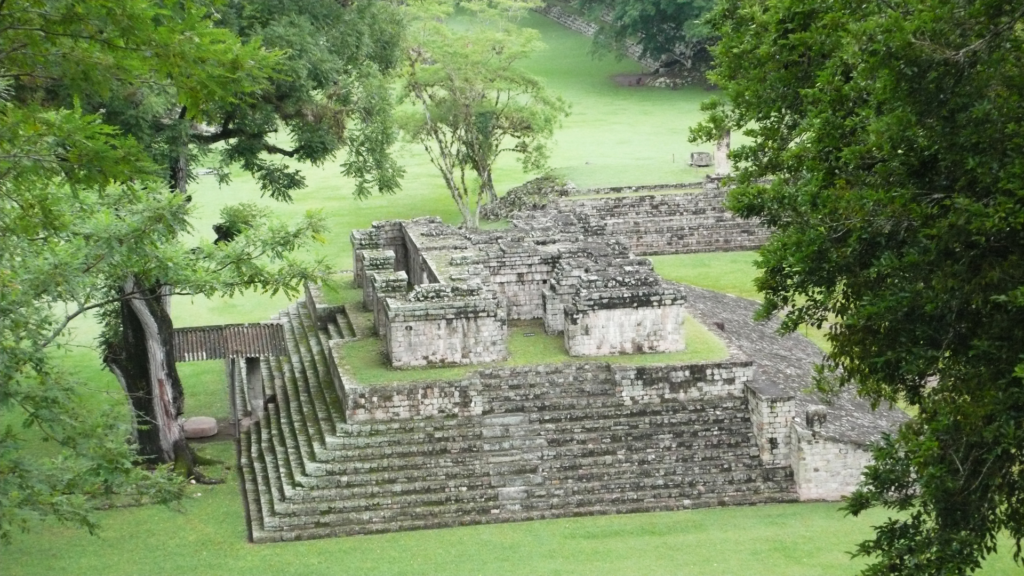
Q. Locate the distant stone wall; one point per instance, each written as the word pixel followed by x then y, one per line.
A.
pixel 823 468
pixel 654 224
pixel 587 28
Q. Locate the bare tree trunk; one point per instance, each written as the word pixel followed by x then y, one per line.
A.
pixel 144 364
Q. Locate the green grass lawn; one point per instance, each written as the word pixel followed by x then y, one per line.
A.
pixel 206 535
pixel 616 136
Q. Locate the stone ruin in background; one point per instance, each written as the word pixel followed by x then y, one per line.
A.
pixel 443 296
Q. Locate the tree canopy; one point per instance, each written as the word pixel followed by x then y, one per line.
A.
pixel 893 132
pixel 85 208
pixel 470 102
pixel 659 27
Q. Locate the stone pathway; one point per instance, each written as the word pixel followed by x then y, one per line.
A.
pixel 785 365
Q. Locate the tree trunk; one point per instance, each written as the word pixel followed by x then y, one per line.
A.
pixel 487 186
pixel 144 364
pixel 143 361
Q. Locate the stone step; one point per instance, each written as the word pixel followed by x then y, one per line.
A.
pixel 640 438
pixel 344 324
pixel 446 430
pixel 311 408
pixel 334 330
pixel 459 518
pixel 308 341
pixel 440 425
pixel 300 411
pixel 483 475
pixel 400 507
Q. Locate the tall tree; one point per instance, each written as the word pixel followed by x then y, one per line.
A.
pixel 471 103
pixel 661 27
pixel 894 132
pixel 84 207
pixel 329 91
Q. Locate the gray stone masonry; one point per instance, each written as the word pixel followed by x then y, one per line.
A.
pixel 382 285
pixel 825 469
pixel 444 324
pixel 490 390
pixel 617 304
pixel 371 262
pixel 333 458
pixel 651 224
pixel 771 416
pixel 501 445
pixel 828 460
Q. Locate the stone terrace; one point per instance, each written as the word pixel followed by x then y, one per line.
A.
pixel 650 222
pixel 330 457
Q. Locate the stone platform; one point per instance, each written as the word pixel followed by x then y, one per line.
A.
pixel 333 458
pixel 504 444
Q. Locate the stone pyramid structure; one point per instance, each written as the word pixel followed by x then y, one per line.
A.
pixel 552 441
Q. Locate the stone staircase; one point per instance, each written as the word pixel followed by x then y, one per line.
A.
pixel 539 452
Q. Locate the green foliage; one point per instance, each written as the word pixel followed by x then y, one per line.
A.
pixel 468 101
pixel 330 91
pixel 893 132
pixel 83 206
pixel 660 27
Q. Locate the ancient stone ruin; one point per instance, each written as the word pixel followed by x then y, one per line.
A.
pixel 330 456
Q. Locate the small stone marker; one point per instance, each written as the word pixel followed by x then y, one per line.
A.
pixel 200 427
pixel 701 159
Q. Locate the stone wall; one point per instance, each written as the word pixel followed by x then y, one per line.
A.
pixel 656 223
pixel 677 383
pixel 504 390
pixel 824 468
pixel 771 413
pixel 380 286
pixel 520 272
pixel 372 262
pixel 616 303
pixel 624 321
pixel 439 324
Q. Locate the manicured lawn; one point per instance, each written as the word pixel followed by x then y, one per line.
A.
pixel 728 272
pixel 206 535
